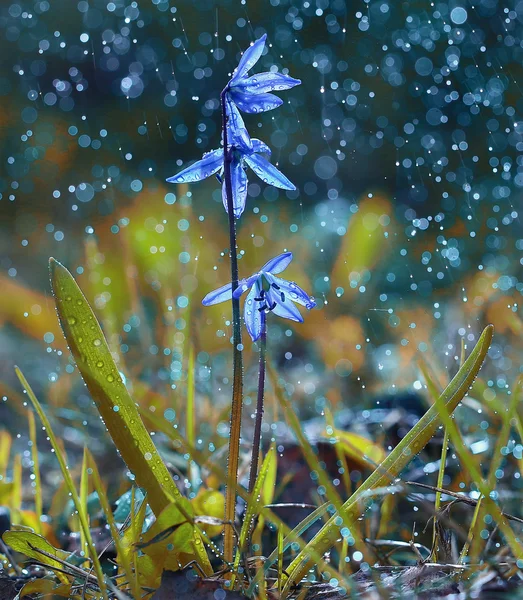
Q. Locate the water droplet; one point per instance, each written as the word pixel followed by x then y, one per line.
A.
pixel 100 364
pixel 110 378
pixel 71 320
pixel 97 342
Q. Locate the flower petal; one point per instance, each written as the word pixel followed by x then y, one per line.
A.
pixel 239 189
pixel 293 291
pixel 266 82
pixel 251 315
pixel 244 285
pixel 201 169
pixel 255 103
pixel 260 147
pixel 278 263
pixel 250 57
pixel 287 310
pixel 237 132
pixel 220 295
pixel 268 173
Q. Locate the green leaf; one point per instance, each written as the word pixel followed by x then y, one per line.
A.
pixel 38 548
pixel 416 439
pixel 104 382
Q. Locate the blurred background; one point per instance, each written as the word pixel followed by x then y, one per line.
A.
pixel 405 143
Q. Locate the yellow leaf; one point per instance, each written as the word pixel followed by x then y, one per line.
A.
pixel 45 587
pixel 210 503
pixel 36 547
pixel 360 449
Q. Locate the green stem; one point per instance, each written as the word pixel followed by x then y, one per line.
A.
pixel 237 386
pixel 259 406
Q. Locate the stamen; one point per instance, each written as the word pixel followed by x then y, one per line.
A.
pixel 273 306
pixel 264 307
pixel 276 287
pixel 282 297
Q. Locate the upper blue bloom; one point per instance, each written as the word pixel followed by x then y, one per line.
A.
pixel 251 94
pixel 212 163
pixel 268 294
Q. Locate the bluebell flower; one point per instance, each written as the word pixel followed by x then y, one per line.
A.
pixel 268 293
pixel 252 94
pixel 212 164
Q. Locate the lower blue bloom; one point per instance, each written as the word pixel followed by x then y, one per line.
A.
pixel 268 293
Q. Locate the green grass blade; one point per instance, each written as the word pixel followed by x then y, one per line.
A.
pixel 190 426
pixel 392 466
pixel 36 472
pixel 120 414
pixel 121 553
pixel 469 463
pixel 82 510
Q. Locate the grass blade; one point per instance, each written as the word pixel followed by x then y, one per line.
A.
pixel 392 466
pixel 122 555
pixel 120 414
pixel 36 472
pixel 82 510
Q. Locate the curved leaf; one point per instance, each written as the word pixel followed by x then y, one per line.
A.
pixel 104 382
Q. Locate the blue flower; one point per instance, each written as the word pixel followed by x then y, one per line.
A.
pixel 252 94
pixel 268 294
pixel 212 163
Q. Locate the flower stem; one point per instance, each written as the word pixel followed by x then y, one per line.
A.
pixel 259 406
pixel 237 386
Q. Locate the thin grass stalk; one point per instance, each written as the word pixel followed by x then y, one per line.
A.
pixel 82 511
pixel 259 406
pixel 123 558
pixel 84 493
pixel 237 385
pixel 16 494
pixel 472 532
pixel 36 473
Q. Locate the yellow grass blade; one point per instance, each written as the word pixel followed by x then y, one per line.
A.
pixel 36 472
pixel 82 511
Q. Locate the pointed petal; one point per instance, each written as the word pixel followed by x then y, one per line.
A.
pixel 278 263
pixel 250 57
pixel 245 284
pixel 260 147
pixel 220 295
pixel 255 103
pixel 239 189
pixel 201 169
pixel 251 315
pixel 266 82
pixel 287 310
pixel 293 291
pixel 237 132
pixel 268 173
